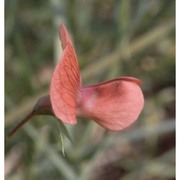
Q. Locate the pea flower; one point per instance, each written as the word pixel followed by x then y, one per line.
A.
pixel 114 104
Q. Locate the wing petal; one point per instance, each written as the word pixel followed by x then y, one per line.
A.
pixel 114 104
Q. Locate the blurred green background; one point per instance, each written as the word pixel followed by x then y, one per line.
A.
pixel 112 38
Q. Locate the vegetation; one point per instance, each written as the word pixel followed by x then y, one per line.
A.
pixel 112 39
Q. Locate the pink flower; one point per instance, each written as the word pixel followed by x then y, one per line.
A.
pixel 113 104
